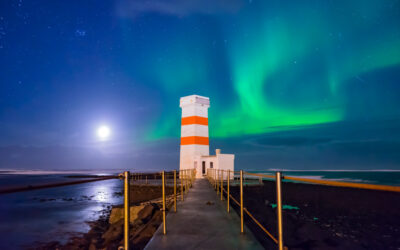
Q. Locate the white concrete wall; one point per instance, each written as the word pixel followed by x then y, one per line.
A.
pixel 207 160
pixel 188 100
pixel 195 110
pixel 226 162
pixel 220 161
pixel 194 130
pixel 188 152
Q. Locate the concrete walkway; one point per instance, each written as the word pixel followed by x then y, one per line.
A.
pixel 197 225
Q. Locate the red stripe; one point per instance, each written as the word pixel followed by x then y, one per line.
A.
pixel 194 120
pixel 197 140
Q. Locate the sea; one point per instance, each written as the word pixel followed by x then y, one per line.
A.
pixel 55 214
pixel 378 177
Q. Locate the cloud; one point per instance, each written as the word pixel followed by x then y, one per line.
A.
pixel 371 147
pixel 50 157
pixel 131 8
pixel 293 141
pixel 157 156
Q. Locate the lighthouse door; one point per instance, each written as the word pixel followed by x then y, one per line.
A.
pixel 204 167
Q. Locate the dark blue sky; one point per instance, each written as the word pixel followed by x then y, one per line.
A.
pixel 295 85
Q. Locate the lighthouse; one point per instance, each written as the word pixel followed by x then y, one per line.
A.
pixel 195 146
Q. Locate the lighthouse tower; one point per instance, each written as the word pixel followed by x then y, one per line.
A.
pixel 194 130
pixel 195 150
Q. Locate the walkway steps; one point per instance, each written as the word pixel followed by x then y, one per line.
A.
pixel 198 225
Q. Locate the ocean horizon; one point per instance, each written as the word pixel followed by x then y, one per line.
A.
pixel 369 176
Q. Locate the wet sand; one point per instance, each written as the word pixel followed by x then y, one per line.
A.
pixel 323 217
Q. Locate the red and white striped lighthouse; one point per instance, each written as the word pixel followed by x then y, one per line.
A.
pixel 194 130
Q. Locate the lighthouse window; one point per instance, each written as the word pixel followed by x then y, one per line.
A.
pixel 211 164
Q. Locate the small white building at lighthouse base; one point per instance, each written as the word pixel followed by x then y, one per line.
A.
pixel 217 161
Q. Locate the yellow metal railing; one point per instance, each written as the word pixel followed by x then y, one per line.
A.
pixel 126 209
pixel 186 178
pixel 216 176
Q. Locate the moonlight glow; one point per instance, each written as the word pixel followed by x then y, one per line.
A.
pixel 103 132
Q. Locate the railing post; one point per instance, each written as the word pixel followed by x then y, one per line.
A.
pixel 279 209
pixel 217 180
pixel 174 190
pixel 163 205
pixel 181 180
pixel 241 202
pixel 222 185
pixel 213 177
pixel 126 210
pixel 190 178
pixel 227 192
pixel 186 182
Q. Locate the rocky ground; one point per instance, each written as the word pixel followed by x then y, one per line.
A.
pixel 107 231
pixel 323 217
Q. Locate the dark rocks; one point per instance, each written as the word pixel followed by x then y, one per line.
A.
pixel 144 234
pixel 118 194
pixel 117 213
pixel 114 232
pixel 147 212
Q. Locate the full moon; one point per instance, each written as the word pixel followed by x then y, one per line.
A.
pixel 103 132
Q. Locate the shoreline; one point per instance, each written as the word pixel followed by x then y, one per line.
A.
pixel 107 231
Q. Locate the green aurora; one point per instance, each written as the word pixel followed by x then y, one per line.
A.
pixel 295 84
pixel 268 66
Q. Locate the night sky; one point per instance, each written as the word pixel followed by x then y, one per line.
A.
pixel 293 85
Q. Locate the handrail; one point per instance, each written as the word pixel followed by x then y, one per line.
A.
pixel 216 176
pixel 126 176
pixel 345 184
pixel 279 209
pixel 186 177
pixel 261 175
pixel 261 226
pixel 333 183
pixel 252 217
